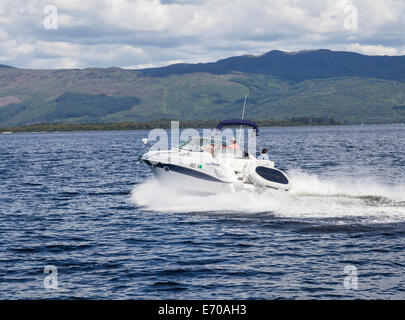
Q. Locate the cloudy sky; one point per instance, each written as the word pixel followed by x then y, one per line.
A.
pixel 144 33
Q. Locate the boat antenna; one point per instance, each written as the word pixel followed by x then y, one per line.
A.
pixel 243 115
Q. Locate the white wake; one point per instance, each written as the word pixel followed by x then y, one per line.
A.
pixel 310 197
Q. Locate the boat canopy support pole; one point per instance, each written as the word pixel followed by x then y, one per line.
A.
pixel 243 115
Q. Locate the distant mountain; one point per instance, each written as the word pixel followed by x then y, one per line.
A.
pixel 3 66
pixel 298 66
pixel 346 86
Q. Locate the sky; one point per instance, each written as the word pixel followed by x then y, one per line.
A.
pixel 51 34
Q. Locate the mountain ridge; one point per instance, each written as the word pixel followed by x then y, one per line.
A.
pixel 4 66
pixel 321 63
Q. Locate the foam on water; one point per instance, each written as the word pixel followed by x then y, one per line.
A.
pixel 310 197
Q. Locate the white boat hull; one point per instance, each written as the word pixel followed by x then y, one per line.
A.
pixel 190 184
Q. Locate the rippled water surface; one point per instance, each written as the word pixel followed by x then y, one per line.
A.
pixel 79 202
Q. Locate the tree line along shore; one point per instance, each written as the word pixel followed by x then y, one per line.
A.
pixel 164 124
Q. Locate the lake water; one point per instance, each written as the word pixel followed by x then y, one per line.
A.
pixel 79 202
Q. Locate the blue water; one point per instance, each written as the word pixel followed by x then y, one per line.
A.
pixel 79 202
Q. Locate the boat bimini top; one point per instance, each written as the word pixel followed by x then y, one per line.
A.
pixel 237 122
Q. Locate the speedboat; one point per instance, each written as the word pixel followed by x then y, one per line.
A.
pixel 211 165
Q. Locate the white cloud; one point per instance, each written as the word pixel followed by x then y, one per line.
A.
pixel 153 33
pixel 54 63
pixel 377 50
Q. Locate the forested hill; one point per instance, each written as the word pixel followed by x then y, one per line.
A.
pixel 345 86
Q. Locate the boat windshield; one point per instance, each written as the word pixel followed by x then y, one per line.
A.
pixel 200 144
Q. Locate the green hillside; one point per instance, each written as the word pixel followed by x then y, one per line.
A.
pixel 201 91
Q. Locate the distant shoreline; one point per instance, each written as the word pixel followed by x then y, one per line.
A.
pixel 41 128
pixel 164 124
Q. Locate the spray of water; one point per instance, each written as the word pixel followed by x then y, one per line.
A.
pixel 310 197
